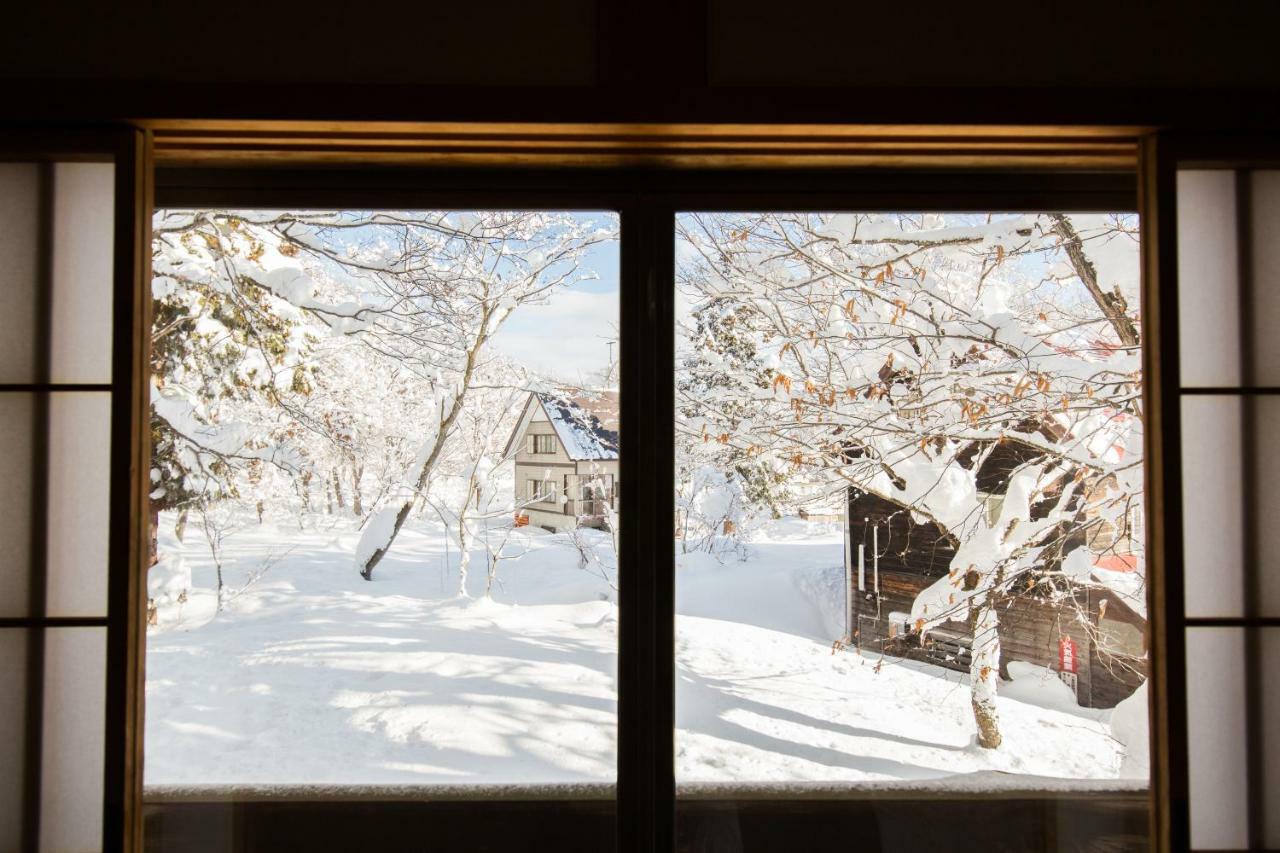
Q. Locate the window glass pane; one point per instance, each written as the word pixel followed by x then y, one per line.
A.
pixel 83 226
pixel 1208 279
pixel 79 486
pixel 1213 527
pixel 383 461
pixel 73 739
pixel 19 268
pixel 1216 749
pixel 1265 296
pixel 909 508
pixel 13 717
pixel 17 421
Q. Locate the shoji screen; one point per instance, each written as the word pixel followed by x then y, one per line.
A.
pixel 1228 227
pixel 56 299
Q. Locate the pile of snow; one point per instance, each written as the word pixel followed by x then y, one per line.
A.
pixel 168 587
pixel 1038 685
pixel 1129 726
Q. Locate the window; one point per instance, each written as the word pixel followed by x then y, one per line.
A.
pixel 322 437
pixel 1214 652
pixel 739 725
pixel 542 490
pixel 912 441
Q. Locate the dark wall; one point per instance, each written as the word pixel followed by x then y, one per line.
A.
pixel 494 42
pixel 647 60
pixel 1023 43
pixel 553 42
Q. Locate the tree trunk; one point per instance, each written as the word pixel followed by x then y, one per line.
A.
pixel 153 534
pixel 446 424
pixel 984 673
pixel 180 528
pixel 337 490
pixel 357 506
pixel 464 554
pixel 1112 305
pixel 213 538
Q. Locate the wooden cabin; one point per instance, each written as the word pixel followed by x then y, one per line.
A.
pixel 565 448
pixel 1096 641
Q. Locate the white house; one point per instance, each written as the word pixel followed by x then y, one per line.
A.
pixel 566 459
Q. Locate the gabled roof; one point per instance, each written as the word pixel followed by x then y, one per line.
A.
pixel 585 422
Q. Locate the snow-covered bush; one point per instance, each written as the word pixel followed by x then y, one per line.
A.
pixel 713 513
pixel 168 588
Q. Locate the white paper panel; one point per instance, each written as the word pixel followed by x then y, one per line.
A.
pixel 19 262
pixel 83 227
pixel 1271 732
pixel 1265 302
pixel 1216 748
pixel 17 413
pixel 1211 505
pixel 79 491
pixel 13 707
pixel 1208 280
pixel 1266 411
pixel 74 742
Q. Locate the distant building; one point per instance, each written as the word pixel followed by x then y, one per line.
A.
pixel 565 448
pixel 1104 630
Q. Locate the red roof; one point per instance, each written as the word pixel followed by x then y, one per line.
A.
pixel 1118 562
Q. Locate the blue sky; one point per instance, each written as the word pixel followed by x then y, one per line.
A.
pixel 566 338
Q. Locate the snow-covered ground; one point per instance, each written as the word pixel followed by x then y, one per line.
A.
pixel 313 675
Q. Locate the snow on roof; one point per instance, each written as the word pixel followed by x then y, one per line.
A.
pixel 586 423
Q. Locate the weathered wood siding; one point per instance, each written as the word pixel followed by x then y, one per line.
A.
pixel 1030 630
pixel 902 544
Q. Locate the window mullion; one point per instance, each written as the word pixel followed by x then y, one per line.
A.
pixel 646 643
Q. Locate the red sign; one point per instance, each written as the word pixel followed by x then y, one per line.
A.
pixel 1067 654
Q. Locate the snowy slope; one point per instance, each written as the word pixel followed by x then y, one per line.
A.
pixel 313 675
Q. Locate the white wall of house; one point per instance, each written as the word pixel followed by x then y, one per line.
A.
pixel 534 469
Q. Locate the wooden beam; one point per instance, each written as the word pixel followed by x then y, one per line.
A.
pixel 687 146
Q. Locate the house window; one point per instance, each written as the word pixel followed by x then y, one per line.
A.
pixel 543 490
pixel 543 443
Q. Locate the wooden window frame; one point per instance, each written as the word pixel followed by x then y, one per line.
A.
pixel 647 177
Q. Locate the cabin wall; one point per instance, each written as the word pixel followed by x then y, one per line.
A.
pixel 1029 631
pixel 901 543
